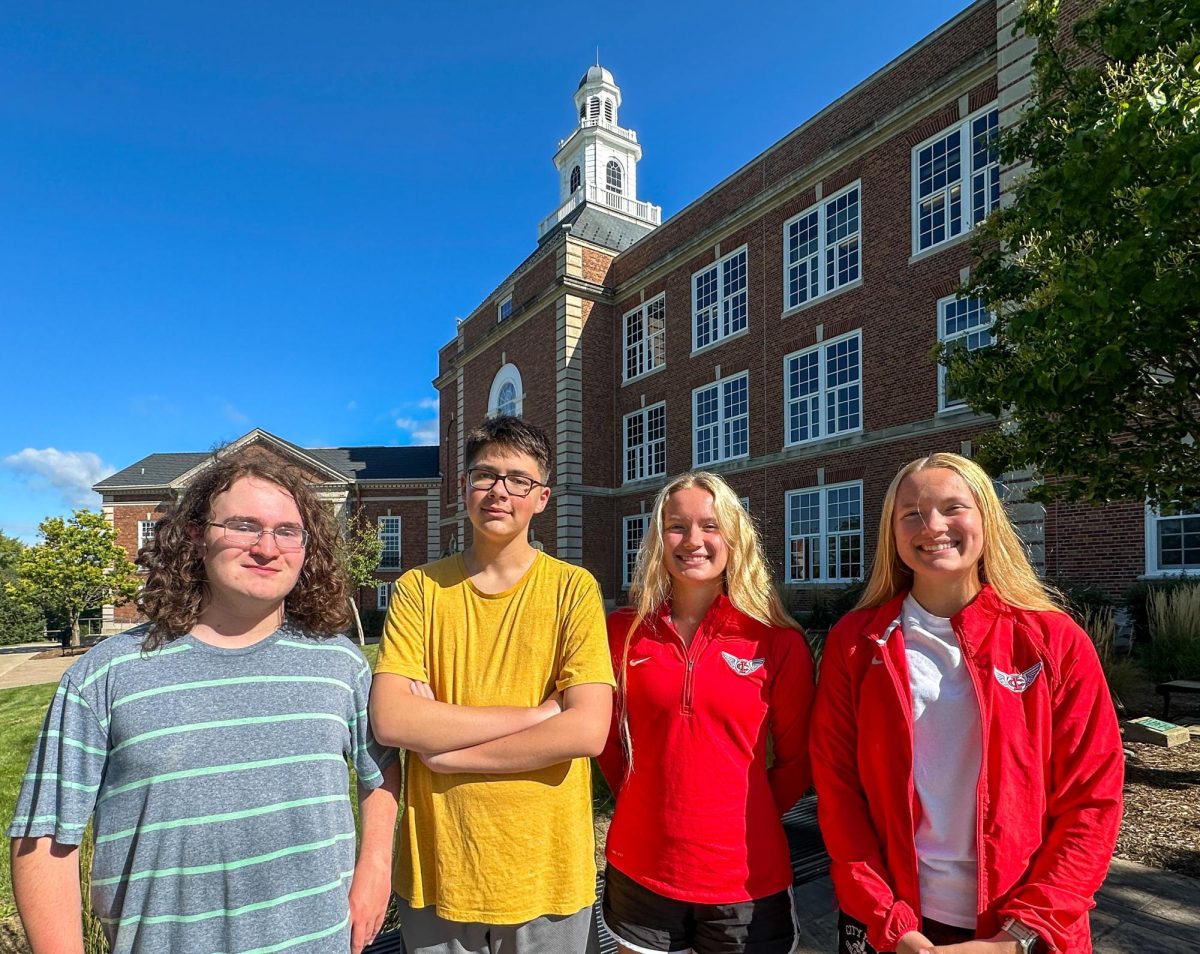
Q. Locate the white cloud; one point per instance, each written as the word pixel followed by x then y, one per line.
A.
pixel 420 431
pixel 72 473
pixel 428 404
pixel 233 414
pixel 350 406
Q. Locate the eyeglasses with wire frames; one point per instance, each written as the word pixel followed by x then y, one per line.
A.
pixel 246 533
pixel 516 484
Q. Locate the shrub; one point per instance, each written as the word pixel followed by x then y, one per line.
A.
pixel 1081 600
pixel 1175 633
pixel 1120 672
pixel 1137 598
pixel 19 622
pixel 372 624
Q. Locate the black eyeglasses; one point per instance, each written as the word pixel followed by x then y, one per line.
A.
pixel 516 484
pixel 244 533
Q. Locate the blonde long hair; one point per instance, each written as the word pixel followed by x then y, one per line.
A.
pixel 748 584
pixel 1003 562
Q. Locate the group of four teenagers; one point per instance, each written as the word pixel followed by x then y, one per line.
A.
pixel 960 737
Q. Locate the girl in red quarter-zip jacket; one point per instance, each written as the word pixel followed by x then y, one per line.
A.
pixel 966 754
pixel 708 666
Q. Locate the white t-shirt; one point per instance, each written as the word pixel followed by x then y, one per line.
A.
pixel 947 750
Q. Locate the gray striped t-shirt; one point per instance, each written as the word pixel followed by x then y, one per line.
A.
pixel 217 780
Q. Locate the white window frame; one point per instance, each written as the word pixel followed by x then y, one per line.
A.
pixel 619 187
pixel 723 420
pixel 975 331
pixel 146 532
pixel 383 524
pixel 649 352
pixel 504 309
pixel 1154 519
pixel 629 556
pixel 822 536
pixel 824 285
pixel 824 393
pixel 383 595
pixel 966 182
pixel 643 454
pixel 506 375
pixel 717 315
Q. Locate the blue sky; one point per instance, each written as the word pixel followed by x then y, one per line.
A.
pixel 227 215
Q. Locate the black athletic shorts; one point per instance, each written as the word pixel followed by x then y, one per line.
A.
pixel 646 922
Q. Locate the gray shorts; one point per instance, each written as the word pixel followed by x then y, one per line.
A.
pixel 426 933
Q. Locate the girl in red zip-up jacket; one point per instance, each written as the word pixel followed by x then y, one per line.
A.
pixel 708 665
pixel 966 753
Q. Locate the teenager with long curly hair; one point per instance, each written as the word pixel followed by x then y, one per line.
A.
pixel 965 750
pixel 709 667
pixel 209 746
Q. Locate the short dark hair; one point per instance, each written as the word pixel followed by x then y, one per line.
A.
pixel 175 588
pixel 510 433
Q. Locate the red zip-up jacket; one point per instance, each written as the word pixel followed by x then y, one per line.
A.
pixel 698 817
pixel 1048 800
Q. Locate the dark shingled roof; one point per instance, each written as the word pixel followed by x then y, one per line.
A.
pixel 355 463
pixel 593 224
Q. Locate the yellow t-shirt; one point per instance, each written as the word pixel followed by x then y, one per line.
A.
pixel 497 849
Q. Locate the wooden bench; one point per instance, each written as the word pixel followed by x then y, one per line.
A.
pixel 808 857
pixel 1179 687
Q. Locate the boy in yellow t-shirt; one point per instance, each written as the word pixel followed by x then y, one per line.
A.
pixel 494 674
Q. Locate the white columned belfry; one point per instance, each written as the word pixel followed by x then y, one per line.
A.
pixel 597 163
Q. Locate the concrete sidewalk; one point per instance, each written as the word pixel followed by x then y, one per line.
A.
pixel 1138 910
pixel 19 668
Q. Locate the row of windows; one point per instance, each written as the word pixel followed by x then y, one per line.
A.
pixel 822 395
pixel 822 246
pixel 823 535
pixel 614 177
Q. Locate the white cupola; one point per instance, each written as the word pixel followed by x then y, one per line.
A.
pixel 597 163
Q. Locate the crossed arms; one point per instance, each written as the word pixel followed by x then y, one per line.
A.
pixel 489 739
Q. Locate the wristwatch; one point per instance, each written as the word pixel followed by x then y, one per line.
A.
pixel 1028 940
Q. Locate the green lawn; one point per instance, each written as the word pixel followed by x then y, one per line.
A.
pixel 21 714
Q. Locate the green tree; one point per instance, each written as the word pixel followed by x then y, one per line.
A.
pixel 19 622
pixel 78 565
pixel 1096 361
pixel 362 549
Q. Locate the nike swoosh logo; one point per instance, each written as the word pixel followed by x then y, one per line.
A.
pixel 876 661
pixel 638 662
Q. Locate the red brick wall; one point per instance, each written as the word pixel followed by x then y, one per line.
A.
pixel 1099 546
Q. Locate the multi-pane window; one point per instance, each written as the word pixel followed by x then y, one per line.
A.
pixel 822 389
pixel 383 593
pixel 962 158
pixel 612 176
pixel 824 533
pixel 389 533
pixel 504 309
pixel 646 442
pixel 822 248
pixel 1173 540
pixel 721 420
pixel 963 323
pixel 145 533
pixel 719 302
pixel 506 401
pixel 645 337
pixel 575 179
pixel 632 531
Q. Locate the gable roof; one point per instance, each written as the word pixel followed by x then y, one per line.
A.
pixel 339 463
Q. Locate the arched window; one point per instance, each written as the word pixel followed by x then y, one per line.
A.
pixel 594 107
pixel 582 113
pixel 506 396
pixel 575 179
pixel 506 401
pixel 608 113
pixel 613 176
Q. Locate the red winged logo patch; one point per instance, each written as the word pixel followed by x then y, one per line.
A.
pixel 1017 681
pixel 743 667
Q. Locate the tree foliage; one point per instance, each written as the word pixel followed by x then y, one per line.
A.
pixel 362 549
pixel 1093 270
pixel 77 566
